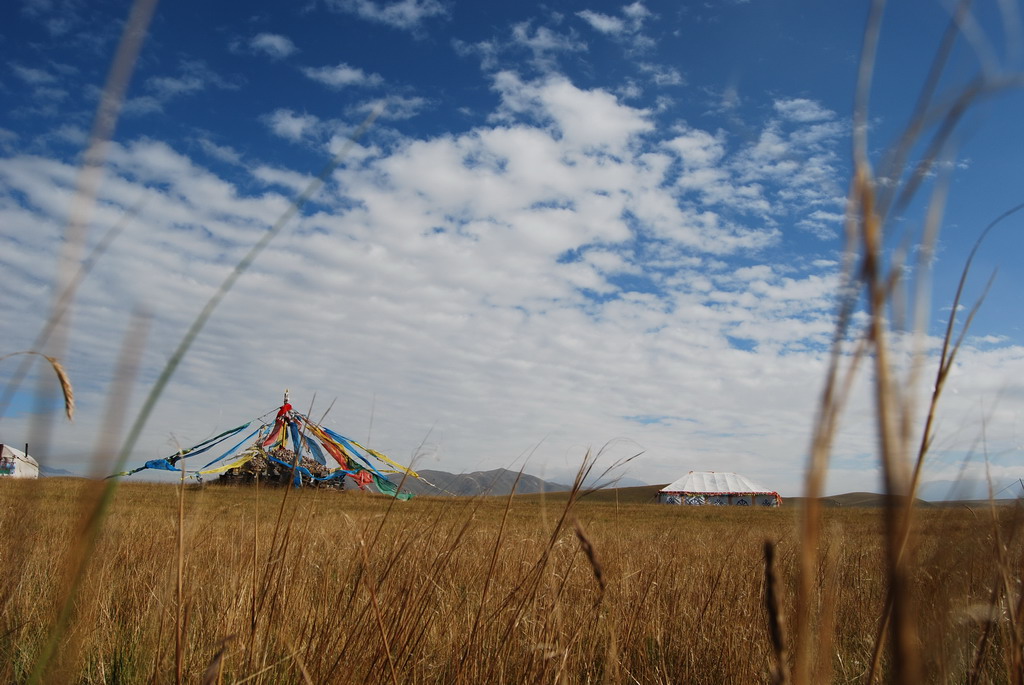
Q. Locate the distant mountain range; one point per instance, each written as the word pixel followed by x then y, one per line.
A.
pixel 970 489
pixel 494 482
pixel 49 471
pixel 499 482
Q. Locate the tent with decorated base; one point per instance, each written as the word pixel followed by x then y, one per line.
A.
pixel 698 488
pixel 17 464
pixel 293 448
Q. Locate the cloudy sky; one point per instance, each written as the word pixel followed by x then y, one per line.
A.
pixel 597 225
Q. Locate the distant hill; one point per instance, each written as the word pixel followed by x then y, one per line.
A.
pixel 853 499
pixel 641 494
pixel 497 482
pixel 873 499
pixel 970 489
pixel 494 482
pixel 867 499
pixel 648 494
pixel 624 482
pixel 50 471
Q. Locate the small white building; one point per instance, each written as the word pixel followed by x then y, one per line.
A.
pixel 16 464
pixel 702 488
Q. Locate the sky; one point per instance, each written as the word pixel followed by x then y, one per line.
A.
pixel 551 229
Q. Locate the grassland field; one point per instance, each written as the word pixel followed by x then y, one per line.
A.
pixel 346 587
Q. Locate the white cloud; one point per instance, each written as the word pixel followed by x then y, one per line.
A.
pixel 603 22
pixel 585 119
pixel 822 224
pixel 629 91
pixel 290 125
pixel 272 44
pixel 486 50
pixel 729 99
pixel 989 340
pixel 802 110
pixel 50 94
pixel 32 75
pixel 404 14
pixel 58 17
pixel 627 28
pixel 167 87
pixel 69 133
pixel 698 148
pixel 662 75
pixel 419 318
pixel 791 164
pixel 610 262
pixel 636 11
pixel 544 44
pixel 222 152
pixel 395 107
pixel 796 154
pixel 193 77
pixel 7 139
pixel 294 182
pixel 342 75
pixel 140 105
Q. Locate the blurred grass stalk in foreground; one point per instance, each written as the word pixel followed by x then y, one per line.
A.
pixel 873 274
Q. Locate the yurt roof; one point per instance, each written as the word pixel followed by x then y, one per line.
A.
pixel 14 453
pixel 714 482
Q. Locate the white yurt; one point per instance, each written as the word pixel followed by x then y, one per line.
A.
pixel 16 464
pixel 702 488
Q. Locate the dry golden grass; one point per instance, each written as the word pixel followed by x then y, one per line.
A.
pixel 350 589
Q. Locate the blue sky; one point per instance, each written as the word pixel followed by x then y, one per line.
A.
pixel 591 225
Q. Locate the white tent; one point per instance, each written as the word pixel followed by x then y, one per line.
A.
pixel 16 464
pixel 711 488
